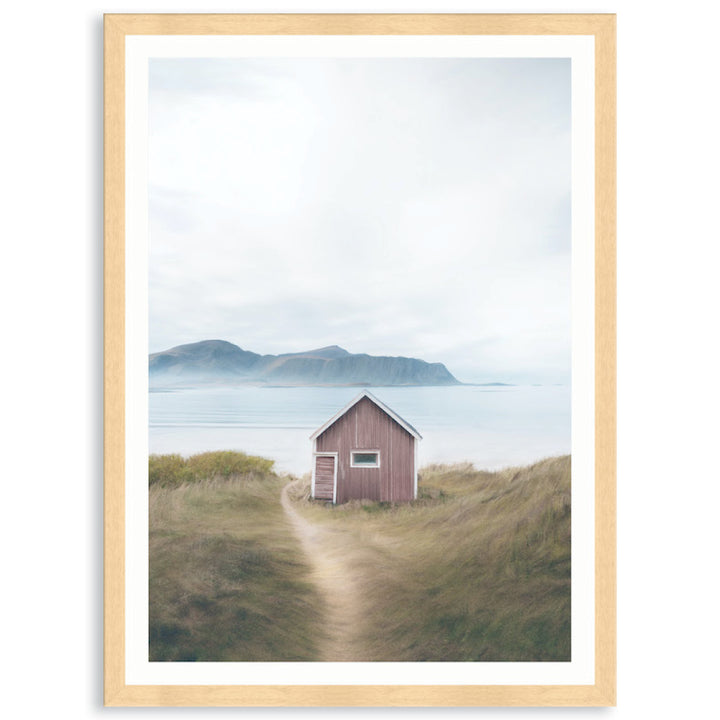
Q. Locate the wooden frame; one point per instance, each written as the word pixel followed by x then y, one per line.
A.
pixel 353 453
pixel 602 691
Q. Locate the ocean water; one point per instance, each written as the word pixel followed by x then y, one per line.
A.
pixel 490 426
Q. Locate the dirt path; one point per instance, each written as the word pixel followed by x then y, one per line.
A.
pixel 334 580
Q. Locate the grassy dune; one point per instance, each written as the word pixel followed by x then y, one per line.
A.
pixel 227 579
pixel 174 470
pixel 477 569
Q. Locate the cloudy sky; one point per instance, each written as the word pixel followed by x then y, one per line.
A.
pixel 416 207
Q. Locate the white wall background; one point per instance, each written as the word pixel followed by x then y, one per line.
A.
pixel 50 355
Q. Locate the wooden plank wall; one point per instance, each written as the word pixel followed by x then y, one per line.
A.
pixel 366 427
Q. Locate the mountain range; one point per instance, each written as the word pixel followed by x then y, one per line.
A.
pixel 221 362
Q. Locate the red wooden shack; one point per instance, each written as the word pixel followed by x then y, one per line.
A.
pixel 365 451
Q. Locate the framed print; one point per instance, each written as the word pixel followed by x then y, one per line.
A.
pixel 359 360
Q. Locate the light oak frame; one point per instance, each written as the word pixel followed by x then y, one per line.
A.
pixel 603 691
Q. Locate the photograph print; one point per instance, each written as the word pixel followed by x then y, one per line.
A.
pixel 360 359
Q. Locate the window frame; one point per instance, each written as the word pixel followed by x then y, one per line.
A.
pixel 369 451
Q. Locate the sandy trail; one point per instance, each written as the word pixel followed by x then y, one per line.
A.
pixel 334 580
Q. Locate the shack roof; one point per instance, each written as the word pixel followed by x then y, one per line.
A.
pixel 365 394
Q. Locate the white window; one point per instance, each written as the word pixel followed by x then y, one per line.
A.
pixel 365 458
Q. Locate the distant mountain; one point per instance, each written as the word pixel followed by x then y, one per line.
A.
pixel 218 361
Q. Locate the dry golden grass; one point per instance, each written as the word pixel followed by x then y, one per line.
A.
pixel 227 579
pixel 478 568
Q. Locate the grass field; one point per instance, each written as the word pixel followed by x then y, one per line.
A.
pixel 477 569
pixel 227 579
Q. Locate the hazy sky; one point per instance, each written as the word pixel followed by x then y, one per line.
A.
pixel 416 207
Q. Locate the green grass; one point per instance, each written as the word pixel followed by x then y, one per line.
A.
pixel 174 470
pixel 478 568
pixel 227 579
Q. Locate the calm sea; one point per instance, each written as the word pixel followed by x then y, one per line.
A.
pixel 491 427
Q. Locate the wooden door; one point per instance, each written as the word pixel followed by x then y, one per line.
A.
pixel 325 477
